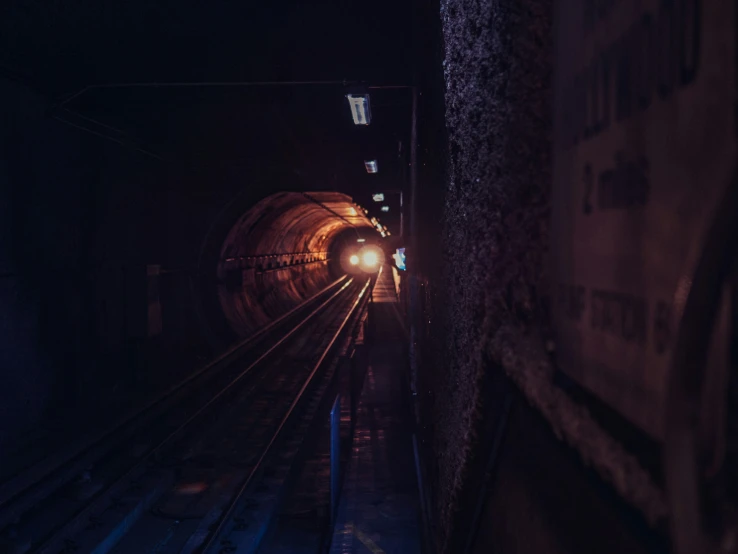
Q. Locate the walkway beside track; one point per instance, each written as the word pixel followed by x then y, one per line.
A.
pixel 379 508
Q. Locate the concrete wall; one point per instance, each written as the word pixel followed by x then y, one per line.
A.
pixel 500 479
pixel 496 64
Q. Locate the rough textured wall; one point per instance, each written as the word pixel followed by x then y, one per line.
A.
pixel 497 70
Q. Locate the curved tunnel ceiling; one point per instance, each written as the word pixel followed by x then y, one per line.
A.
pixel 292 223
pixel 278 253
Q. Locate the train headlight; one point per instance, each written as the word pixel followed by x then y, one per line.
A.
pixel 367 259
pixel 370 258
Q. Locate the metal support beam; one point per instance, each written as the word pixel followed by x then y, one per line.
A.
pixel 412 259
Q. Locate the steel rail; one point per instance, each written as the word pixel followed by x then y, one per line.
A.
pixel 76 459
pixel 223 519
pixel 52 542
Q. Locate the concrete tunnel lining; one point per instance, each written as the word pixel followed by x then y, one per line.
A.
pixel 278 253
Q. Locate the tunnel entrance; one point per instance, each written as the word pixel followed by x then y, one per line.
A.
pixel 281 251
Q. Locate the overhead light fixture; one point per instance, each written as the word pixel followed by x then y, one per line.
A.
pixel 385 208
pixel 361 110
pixel 360 240
pixel 378 197
pixel 371 166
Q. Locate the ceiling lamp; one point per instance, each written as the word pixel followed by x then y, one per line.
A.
pixel 361 110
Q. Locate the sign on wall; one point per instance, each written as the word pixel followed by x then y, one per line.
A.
pixel 644 148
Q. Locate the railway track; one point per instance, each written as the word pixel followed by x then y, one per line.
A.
pixel 196 470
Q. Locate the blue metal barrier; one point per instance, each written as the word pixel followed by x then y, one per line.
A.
pixel 335 457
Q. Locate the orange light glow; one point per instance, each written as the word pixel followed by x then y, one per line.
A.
pixel 191 488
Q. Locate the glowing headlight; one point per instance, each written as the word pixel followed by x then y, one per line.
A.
pixel 354 259
pixel 370 258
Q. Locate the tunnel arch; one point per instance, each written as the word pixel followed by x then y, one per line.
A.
pixel 277 253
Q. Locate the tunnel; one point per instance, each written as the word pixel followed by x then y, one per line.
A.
pixel 543 358
pixel 116 283
pixel 281 251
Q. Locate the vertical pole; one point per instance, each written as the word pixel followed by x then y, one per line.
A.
pixel 335 456
pixel 412 259
pixel 424 506
pixel 353 400
pixel 414 171
pixel 370 313
pixel 402 217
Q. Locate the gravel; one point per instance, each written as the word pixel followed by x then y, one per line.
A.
pixel 497 71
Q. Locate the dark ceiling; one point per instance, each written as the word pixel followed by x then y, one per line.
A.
pixel 67 42
pixel 64 45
